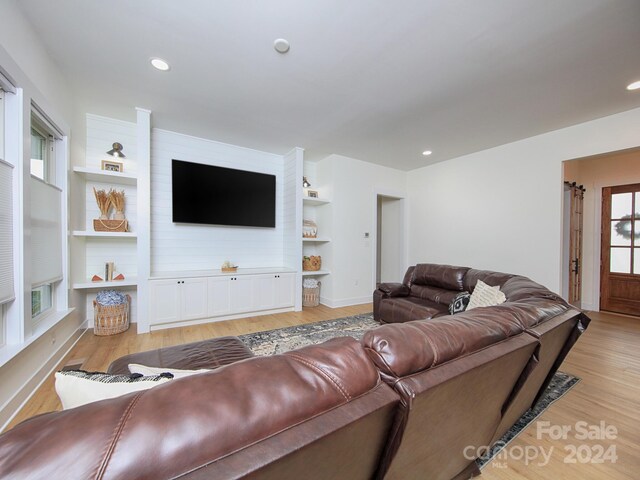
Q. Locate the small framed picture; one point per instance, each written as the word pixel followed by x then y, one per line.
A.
pixel 312 194
pixel 110 166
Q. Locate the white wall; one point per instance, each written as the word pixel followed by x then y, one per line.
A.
pixel 501 209
pixel 619 168
pixel 180 247
pixel 25 60
pixel 353 186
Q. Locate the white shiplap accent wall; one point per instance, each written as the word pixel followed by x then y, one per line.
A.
pixel 180 247
pixel 292 212
pixel 102 132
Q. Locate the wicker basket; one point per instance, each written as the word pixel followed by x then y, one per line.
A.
pixel 112 319
pixel 110 225
pixel 311 296
pixel 312 263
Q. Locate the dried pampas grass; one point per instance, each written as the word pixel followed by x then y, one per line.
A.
pixel 103 199
pixel 117 199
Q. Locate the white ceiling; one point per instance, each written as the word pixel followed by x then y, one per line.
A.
pixel 376 80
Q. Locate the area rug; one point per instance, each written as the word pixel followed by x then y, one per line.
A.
pixel 282 340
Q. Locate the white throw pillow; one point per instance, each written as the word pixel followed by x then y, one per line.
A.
pixel 77 387
pixel 486 296
pixel 177 373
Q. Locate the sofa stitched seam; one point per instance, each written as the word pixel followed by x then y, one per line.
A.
pixel 116 435
pixel 436 354
pixel 333 380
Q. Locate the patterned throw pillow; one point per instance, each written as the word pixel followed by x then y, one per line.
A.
pixel 77 387
pixel 176 372
pixel 485 296
pixel 459 303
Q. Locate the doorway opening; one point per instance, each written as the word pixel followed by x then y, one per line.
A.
pixel 600 280
pixel 390 239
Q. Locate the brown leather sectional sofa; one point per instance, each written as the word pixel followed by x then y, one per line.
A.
pixel 404 403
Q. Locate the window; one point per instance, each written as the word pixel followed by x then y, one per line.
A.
pixel 1 123
pixel 7 293
pixel 42 151
pixel 41 299
pixel 3 323
pixel 46 218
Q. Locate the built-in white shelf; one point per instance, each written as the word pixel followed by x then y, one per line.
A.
pixel 317 240
pixel 104 176
pixel 316 273
pixel 127 282
pixel 315 200
pixel 85 233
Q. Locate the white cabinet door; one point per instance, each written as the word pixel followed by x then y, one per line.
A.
pixel 264 290
pixel 241 294
pixel 193 292
pixel 219 293
pixel 165 301
pixel 284 291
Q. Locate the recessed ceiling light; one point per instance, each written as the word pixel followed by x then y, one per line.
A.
pixel 160 64
pixel 634 85
pixel 281 45
pixel 426 153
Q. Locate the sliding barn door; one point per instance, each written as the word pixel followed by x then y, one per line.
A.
pixel 575 245
pixel 620 247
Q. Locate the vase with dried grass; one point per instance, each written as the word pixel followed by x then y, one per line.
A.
pixel 103 199
pixel 117 200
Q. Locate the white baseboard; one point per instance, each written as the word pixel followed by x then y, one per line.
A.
pixel 345 302
pixel 11 408
pixel 591 307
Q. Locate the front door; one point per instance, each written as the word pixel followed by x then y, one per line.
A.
pixel 620 250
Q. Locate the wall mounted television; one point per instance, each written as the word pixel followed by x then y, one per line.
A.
pixel 211 195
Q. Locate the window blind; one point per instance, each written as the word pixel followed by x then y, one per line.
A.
pixel 46 233
pixel 6 233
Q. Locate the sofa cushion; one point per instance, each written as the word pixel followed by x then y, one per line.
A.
pixel 394 289
pixel 444 276
pixel 435 294
pixel 398 310
pixel 403 349
pixel 488 277
pixel 486 296
pixel 519 288
pixel 212 353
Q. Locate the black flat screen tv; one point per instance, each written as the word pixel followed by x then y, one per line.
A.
pixel 211 195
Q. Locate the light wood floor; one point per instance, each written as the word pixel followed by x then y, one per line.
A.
pixel 606 358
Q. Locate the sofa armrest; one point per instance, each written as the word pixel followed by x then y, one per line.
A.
pixel 394 289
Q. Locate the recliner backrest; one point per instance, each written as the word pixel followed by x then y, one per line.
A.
pixel 456 375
